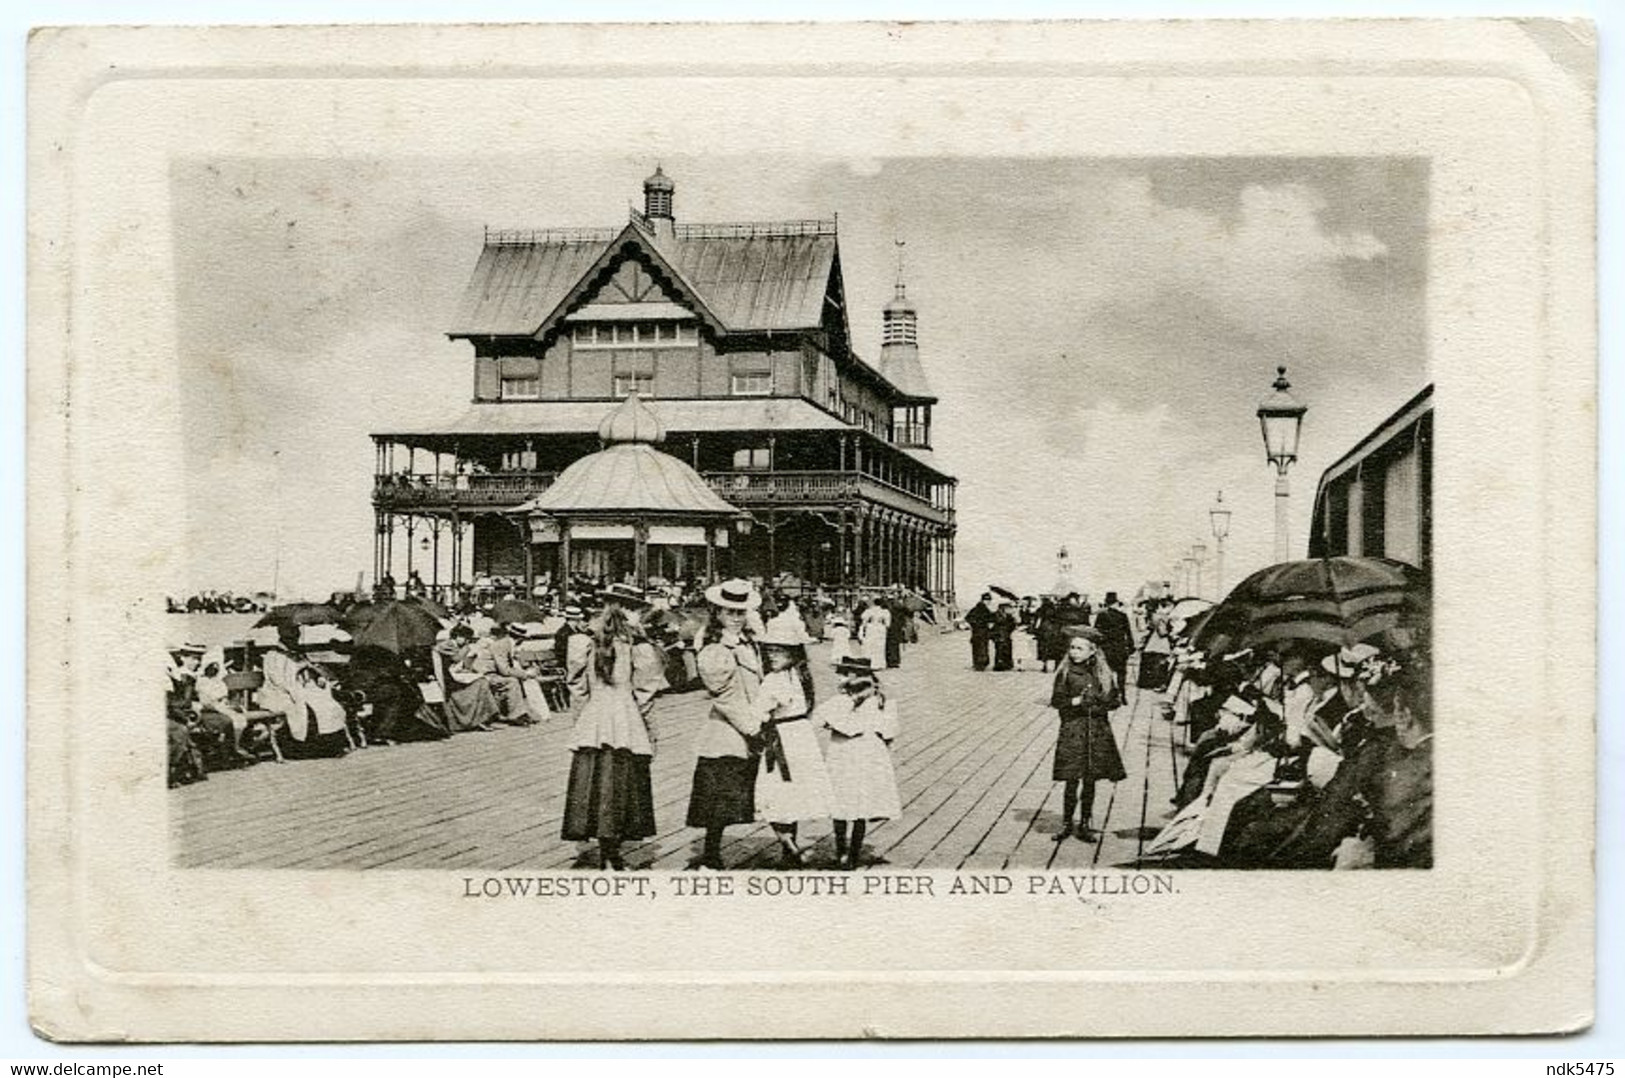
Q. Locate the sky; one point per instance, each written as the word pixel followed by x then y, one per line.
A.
pixel 1099 331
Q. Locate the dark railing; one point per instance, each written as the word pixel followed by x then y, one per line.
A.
pixel 505 490
pixel 760 489
pixel 491 489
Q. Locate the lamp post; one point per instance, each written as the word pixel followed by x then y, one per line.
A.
pixel 1219 518
pixel 1199 556
pixel 1280 417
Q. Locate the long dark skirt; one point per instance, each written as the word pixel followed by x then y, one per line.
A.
pixel 1086 749
pixel 610 796
pixel 724 791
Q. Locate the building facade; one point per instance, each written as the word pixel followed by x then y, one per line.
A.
pixel 1377 500
pixel 737 336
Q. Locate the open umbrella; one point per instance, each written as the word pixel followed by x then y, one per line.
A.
pixel 508 611
pixel 396 626
pixel 1186 609
pixel 1332 600
pixel 296 614
pixel 430 605
pixel 914 602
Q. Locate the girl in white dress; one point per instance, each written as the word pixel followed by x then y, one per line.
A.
pixel 862 724
pixel 792 783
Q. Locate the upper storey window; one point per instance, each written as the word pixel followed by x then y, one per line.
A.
pixel 635 335
pixel 521 389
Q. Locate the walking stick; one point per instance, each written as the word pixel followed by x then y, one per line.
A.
pixel 1145 797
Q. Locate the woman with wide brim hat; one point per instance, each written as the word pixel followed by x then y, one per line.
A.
pixel 726 753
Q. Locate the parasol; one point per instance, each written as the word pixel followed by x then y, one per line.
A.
pixel 294 615
pixel 508 611
pixel 1341 600
pixel 396 625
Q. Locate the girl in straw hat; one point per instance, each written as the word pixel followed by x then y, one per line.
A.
pixel 862 725
pixel 730 667
pixel 792 783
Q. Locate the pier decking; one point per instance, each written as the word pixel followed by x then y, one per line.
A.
pixel 973 764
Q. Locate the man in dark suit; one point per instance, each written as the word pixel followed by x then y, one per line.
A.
pixel 980 620
pixel 1116 639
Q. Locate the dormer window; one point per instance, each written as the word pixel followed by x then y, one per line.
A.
pixel 635 335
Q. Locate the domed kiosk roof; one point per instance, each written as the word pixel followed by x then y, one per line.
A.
pixel 629 475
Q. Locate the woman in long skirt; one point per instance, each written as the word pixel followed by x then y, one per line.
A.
pixel 726 754
pixel 874 626
pixel 610 795
pixel 1085 749
pixel 792 783
pixel 862 724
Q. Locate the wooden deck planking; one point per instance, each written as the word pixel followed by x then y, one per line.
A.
pixel 972 764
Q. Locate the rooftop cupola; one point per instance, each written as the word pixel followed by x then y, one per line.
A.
pixel 657 194
pixel 900 342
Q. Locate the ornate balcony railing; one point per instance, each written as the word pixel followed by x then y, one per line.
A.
pixel 833 488
pixel 492 490
pixel 750 490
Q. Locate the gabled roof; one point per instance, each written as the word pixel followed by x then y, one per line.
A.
pixel 749 278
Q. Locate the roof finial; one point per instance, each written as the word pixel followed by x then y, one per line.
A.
pixel 901 294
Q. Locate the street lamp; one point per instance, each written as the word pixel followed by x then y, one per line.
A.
pixel 1219 517
pixel 1199 555
pixel 1280 417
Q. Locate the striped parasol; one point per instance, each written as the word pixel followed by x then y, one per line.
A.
pixel 1332 600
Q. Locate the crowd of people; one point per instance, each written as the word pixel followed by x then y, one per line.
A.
pixel 767 751
pixel 1302 755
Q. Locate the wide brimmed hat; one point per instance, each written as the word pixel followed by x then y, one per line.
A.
pixel 1346 662
pixel 855 664
pixel 188 648
pixel 1087 632
pixel 528 630
pixel 733 594
pixel 574 612
pixel 780 633
pixel 624 594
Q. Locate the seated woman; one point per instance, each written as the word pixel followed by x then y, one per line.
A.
pixel 470 704
pixel 390 686
pixel 223 722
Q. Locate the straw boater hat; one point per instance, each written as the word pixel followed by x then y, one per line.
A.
pixel 574 612
pixel 733 594
pixel 855 664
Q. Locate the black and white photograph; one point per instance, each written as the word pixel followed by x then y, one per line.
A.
pixel 867 530
pixel 686 536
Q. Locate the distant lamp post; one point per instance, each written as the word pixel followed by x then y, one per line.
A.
pixel 1219 517
pixel 1280 416
pixel 1199 556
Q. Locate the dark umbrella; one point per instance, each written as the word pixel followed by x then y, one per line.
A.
pixel 1331 600
pixel 508 611
pixel 297 614
pixel 1005 592
pixel 396 626
pixel 914 602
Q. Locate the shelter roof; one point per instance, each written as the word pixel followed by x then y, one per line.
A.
pixel 630 477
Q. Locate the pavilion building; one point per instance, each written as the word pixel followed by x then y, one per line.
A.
pixel 736 336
